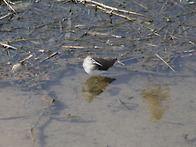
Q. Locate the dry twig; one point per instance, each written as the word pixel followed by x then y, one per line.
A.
pixel 113 10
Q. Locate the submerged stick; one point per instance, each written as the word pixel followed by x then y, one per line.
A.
pixel 8 46
pixel 50 56
pixel 165 62
pixel 2 17
pixel 9 6
pixel 24 39
pixel 74 47
pixel 27 58
pixel 17 67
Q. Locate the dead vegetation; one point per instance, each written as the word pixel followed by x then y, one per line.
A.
pixel 145 37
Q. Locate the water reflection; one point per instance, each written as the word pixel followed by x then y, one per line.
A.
pixel 156 96
pixel 94 86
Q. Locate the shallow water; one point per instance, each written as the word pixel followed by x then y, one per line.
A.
pixel 50 101
pixel 133 110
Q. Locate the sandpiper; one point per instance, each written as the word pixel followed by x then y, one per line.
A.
pixel 96 65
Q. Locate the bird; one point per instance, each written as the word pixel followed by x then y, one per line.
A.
pixel 97 65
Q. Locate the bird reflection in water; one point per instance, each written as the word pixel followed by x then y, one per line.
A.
pixel 95 86
pixel 156 96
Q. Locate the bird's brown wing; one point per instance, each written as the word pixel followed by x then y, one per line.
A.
pixel 106 63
